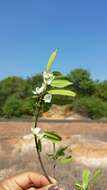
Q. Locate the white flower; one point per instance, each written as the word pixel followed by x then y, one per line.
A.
pixel 39 90
pixel 37 131
pixel 47 98
pixel 48 77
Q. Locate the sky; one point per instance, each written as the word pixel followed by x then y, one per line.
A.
pixel 31 29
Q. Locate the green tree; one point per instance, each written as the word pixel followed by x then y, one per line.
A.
pixel 12 107
pixel 101 90
pixel 27 107
pixel 92 106
pixel 35 81
pixel 12 85
pixel 82 83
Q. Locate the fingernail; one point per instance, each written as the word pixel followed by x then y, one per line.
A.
pixel 53 187
pixel 53 181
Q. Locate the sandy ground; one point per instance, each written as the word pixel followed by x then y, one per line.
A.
pixel 88 144
pixel 16 129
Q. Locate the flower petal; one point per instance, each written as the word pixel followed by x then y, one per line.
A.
pixel 48 77
pixel 36 130
pixel 47 98
pixel 34 92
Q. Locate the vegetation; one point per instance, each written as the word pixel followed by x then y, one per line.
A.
pixel 88 180
pixel 18 98
pixel 50 87
pixel 54 86
pixel 91 99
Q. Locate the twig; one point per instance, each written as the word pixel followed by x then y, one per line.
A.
pixel 36 143
pixel 54 162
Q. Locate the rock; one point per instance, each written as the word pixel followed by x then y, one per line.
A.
pixel 86 151
pixel 62 112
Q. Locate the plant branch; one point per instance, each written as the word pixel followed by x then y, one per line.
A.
pixel 54 162
pixel 36 143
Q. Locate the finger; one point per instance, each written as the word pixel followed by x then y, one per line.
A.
pixel 32 188
pixel 28 179
pixel 48 187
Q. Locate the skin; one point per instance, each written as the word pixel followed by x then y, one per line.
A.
pixel 27 181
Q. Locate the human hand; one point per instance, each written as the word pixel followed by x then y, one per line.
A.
pixel 28 181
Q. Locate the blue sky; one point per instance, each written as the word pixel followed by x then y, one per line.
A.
pixel 31 29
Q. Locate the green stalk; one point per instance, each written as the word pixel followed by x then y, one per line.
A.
pixel 36 143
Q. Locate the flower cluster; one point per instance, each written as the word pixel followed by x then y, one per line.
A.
pixel 48 77
pixel 40 90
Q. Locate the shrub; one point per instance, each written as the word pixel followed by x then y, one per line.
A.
pixel 101 90
pixel 92 107
pixel 82 82
pixel 27 107
pixel 12 107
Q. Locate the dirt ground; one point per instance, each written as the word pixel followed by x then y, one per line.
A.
pixel 14 129
pixel 88 143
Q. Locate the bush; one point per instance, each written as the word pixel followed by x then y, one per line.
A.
pixel 82 82
pixel 12 107
pixel 16 95
pixel 92 107
pixel 27 107
pixel 101 90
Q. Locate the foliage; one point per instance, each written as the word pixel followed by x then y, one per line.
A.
pixel 82 82
pixel 51 59
pixel 62 92
pixel 91 99
pixel 92 107
pixel 12 107
pixel 88 179
pixel 27 107
pixel 34 81
pixel 16 99
pixel 52 136
pixel 12 85
pixel 50 87
pixel 101 90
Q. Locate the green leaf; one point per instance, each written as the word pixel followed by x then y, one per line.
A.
pixel 60 83
pixel 60 151
pixel 62 92
pixel 51 59
pixel 78 186
pixel 58 74
pixel 85 179
pixel 52 136
pixel 96 174
pixel 66 160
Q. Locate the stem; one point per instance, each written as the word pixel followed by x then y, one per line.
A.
pixel 41 163
pixel 36 143
pixel 54 162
